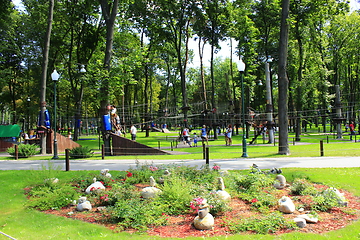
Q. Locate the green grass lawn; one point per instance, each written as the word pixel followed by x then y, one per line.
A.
pixel 27 224
pixel 309 146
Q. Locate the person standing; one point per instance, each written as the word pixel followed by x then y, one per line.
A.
pixel 228 135
pixel 204 134
pixel 352 129
pixel 195 140
pixel 133 132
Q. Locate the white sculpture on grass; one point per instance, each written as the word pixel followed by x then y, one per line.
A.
pixel 105 173
pixel 152 191
pixel 95 186
pixel 83 205
pixel 286 205
pixel 222 194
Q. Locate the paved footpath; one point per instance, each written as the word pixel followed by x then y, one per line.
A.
pixel 228 164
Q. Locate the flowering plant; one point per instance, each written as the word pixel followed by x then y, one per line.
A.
pixel 129 174
pixel 216 167
pixel 196 202
pixel 153 168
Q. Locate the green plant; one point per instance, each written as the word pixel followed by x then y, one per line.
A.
pixel 81 152
pixel 137 213
pixel 325 200
pixel 302 187
pixel 261 225
pixel 51 196
pixel 24 150
pixel 175 196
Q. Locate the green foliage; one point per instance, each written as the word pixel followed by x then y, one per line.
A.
pixel 81 152
pixel 51 196
pixel 261 225
pixel 176 195
pixel 254 181
pixel 138 214
pixel 325 200
pixel 302 187
pixel 24 150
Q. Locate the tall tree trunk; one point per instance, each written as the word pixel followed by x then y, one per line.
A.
pixel 203 84
pixel 109 13
pixel 283 80
pixel 44 73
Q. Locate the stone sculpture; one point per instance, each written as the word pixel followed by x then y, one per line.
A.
pixel 286 205
pixel 204 220
pixel 95 186
pixel 222 194
pixel 83 205
pixel 281 182
pixel 152 191
pixel 105 173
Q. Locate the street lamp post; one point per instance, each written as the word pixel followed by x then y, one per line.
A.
pixel 241 67
pixel 55 77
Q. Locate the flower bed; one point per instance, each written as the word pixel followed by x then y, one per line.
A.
pixel 253 207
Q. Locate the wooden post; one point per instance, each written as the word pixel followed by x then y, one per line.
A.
pixel 204 150
pixel 159 144
pixel 102 152
pixel 321 148
pixel 171 146
pixel 207 156
pixel 16 152
pixel 67 161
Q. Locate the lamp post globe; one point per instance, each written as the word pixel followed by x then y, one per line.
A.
pixel 241 68
pixel 55 77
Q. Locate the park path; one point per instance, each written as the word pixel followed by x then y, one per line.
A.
pixel 226 164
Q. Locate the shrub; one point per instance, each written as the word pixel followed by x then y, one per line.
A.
pixel 254 182
pixel 261 225
pixel 24 150
pixel 324 201
pixel 51 196
pixel 81 152
pixel 176 195
pixel 137 213
pixel 302 187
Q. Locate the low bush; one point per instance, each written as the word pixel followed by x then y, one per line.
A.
pixel 262 225
pixel 24 150
pixel 81 152
pixel 51 196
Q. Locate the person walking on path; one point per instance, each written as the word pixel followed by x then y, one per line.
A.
pixel 186 135
pixel 133 132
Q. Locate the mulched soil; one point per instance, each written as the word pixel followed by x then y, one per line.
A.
pixel 181 226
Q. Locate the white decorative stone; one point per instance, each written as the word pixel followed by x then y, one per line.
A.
pixel 95 186
pixel 105 173
pixel 52 180
pixel 222 194
pixel 286 205
pixel 83 205
pixel 308 218
pixel 205 223
pixel 339 196
pixel 152 182
pixel 150 192
pixel 281 182
pixel 300 222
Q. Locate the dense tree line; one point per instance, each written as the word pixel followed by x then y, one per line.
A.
pixel 146 71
